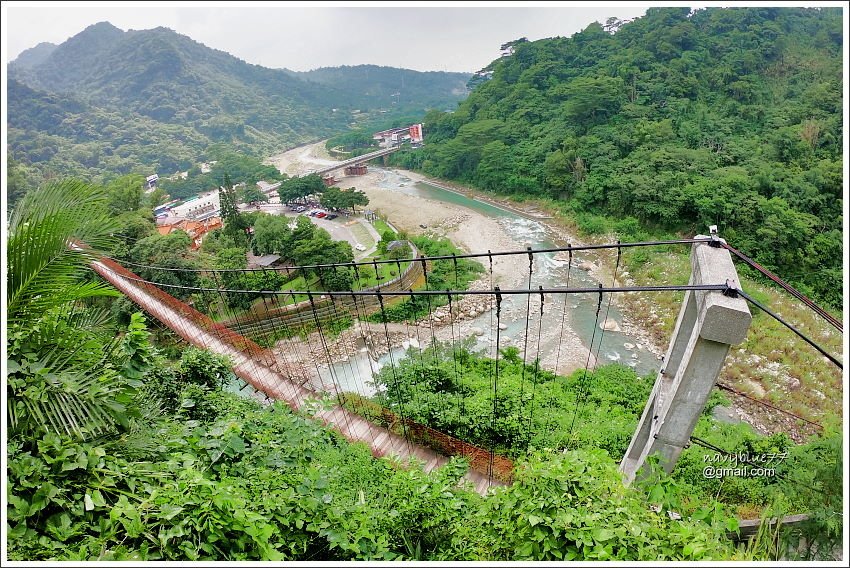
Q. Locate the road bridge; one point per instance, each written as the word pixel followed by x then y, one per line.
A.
pixel 357 160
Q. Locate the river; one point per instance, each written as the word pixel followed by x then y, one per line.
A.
pixel 548 271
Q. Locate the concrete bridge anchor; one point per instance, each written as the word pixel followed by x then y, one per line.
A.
pixel 708 324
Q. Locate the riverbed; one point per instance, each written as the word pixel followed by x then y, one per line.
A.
pixel 561 339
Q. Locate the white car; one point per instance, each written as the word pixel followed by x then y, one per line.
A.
pixel 359 247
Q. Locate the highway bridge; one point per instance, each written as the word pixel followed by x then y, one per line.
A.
pixel 357 160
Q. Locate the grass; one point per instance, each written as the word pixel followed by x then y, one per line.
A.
pixel 771 357
pixel 381 226
pixel 362 235
pixel 385 272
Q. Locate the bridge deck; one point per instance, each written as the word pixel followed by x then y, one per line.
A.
pixel 357 160
pixel 264 378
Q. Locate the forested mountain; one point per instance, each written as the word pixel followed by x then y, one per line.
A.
pixel 106 102
pixel 35 55
pixel 401 88
pixel 678 119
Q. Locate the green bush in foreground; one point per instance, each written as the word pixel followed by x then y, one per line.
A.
pixel 261 483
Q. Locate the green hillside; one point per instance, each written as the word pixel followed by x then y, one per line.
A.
pixel 723 116
pixel 108 102
pixel 392 88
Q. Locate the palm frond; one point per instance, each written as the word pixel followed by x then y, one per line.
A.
pixel 62 380
pixel 44 270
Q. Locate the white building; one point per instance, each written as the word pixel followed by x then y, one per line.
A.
pixel 199 206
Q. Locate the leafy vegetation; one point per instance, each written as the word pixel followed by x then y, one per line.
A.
pixel 679 119
pixel 117 454
pixel 59 376
pixel 442 275
pixel 450 388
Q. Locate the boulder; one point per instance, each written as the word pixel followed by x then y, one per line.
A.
pixel 609 325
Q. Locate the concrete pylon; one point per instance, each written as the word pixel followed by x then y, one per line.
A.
pixel 708 324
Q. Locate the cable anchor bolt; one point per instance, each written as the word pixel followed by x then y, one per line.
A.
pixel 731 291
pixel 715 239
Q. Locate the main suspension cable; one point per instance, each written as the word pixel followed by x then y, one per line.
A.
pixel 374 262
pixel 785 286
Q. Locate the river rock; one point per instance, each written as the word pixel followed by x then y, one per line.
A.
pixel 609 325
pixel 629 346
pixel 503 327
pixel 793 384
pixel 477 331
pixel 725 414
pixel 587 266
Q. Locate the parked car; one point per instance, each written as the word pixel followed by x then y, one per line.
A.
pixel 332 217
pixel 359 247
pixel 321 214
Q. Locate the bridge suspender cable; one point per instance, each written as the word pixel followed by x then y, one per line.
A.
pixel 726 288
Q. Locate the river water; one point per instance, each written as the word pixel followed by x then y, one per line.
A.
pixel 548 271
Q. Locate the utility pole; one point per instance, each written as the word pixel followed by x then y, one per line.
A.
pixel 708 324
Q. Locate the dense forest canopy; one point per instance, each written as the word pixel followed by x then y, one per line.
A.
pixel 108 102
pixel 680 119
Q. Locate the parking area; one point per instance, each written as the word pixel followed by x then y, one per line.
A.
pixel 342 227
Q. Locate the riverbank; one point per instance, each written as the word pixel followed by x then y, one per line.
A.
pixel 772 365
pixel 467 229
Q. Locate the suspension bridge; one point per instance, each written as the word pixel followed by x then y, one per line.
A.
pixel 713 317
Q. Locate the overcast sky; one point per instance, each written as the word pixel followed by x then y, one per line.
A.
pixel 432 37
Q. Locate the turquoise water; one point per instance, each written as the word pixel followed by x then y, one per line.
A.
pixel 547 271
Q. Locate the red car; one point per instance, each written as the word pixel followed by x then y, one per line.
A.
pixel 321 214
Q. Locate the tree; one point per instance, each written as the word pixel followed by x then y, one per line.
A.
pixel 157 197
pixel 126 194
pixel 157 253
pixel 354 198
pixel 399 252
pixel 252 195
pixel 60 378
pixel 272 235
pixel 336 198
pixel 16 180
pixel 300 187
pixel 134 226
pixel 234 223
pixel 321 249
